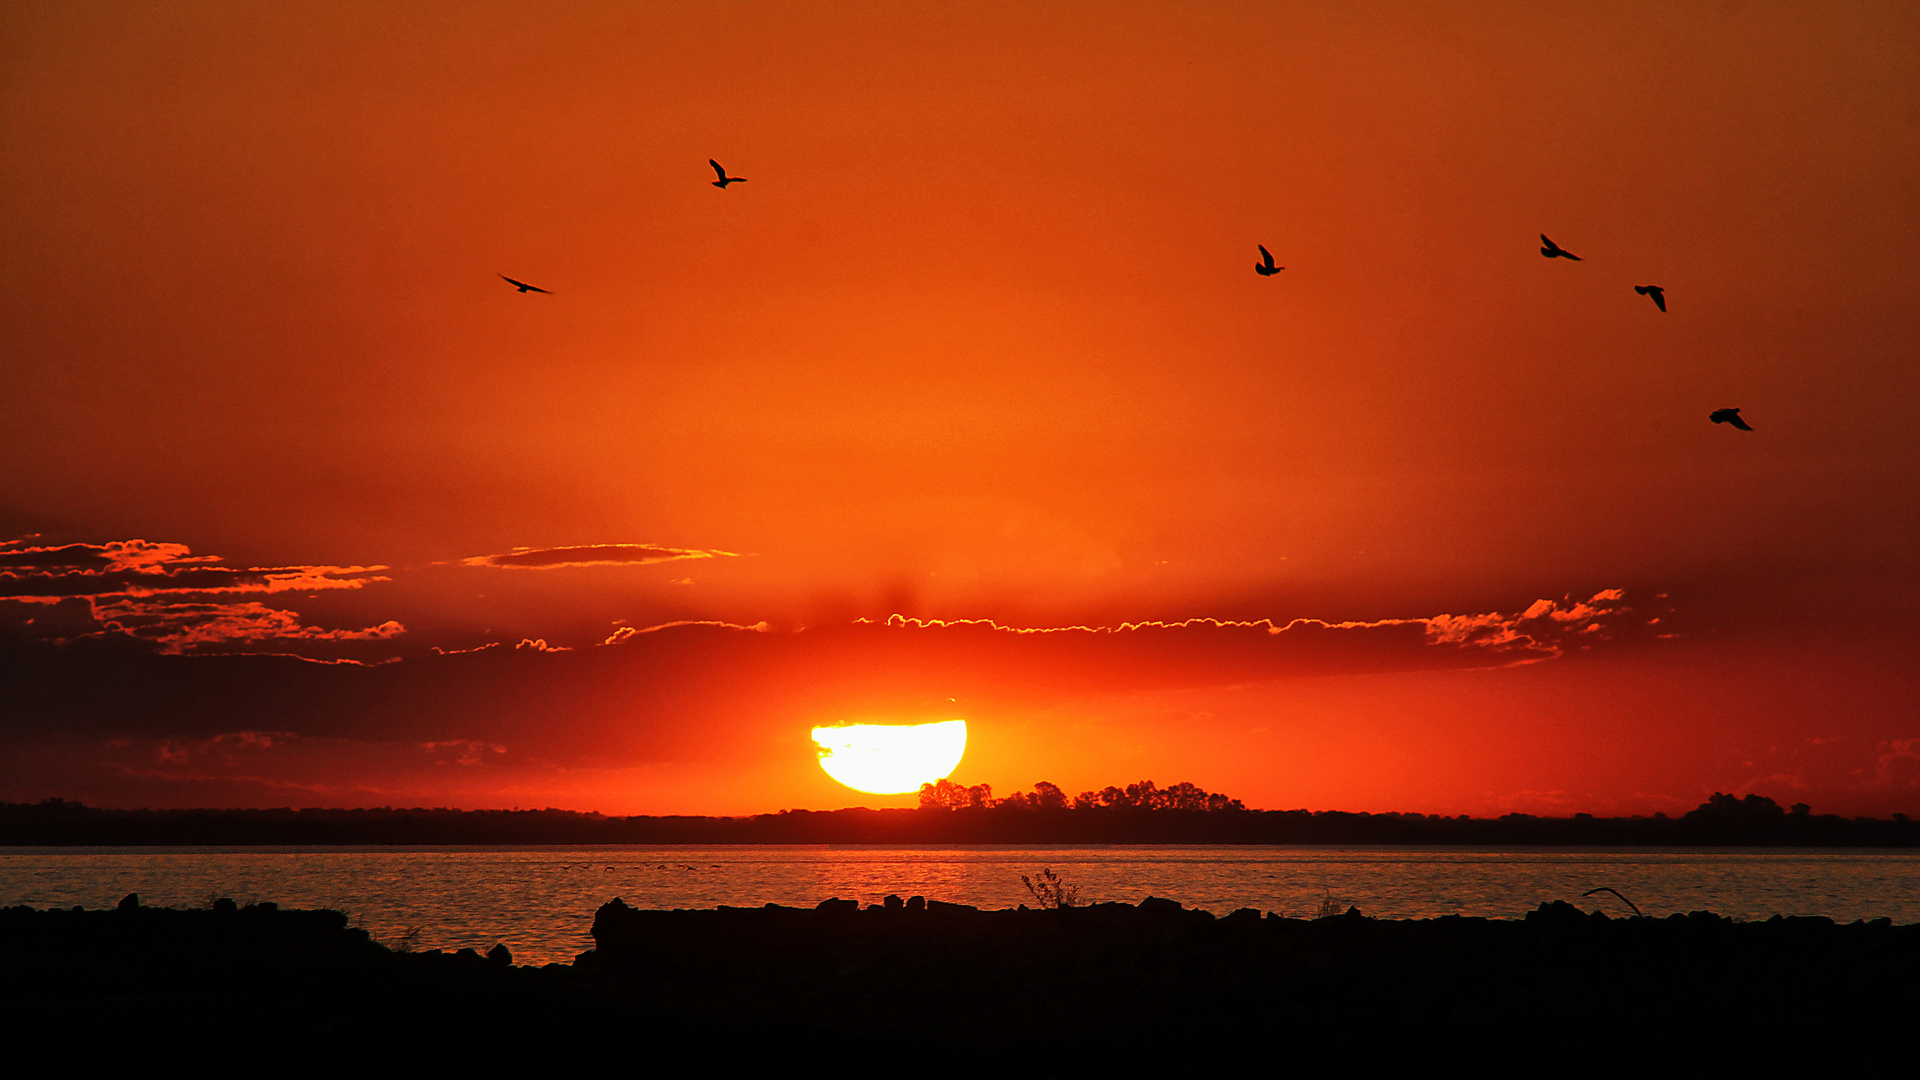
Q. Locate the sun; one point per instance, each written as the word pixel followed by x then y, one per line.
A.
pixel 891 759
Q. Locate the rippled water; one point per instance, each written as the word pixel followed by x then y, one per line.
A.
pixel 540 901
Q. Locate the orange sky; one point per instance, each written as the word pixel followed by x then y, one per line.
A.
pixel 978 339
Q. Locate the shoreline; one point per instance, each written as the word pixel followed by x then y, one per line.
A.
pixel 1755 823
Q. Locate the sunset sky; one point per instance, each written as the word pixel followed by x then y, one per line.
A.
pixel 966 404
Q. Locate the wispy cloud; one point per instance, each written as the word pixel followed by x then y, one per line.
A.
pixel 693 691
pixel 182 627
pixel 626 632
pixel 139 568
pixel 540 645
pixel 559 558
pixel 163 594
pixel 1545 629
pixel 1899 763
pixel 462 751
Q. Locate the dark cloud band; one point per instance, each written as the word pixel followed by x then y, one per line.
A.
pixel 556 558
pixel 164 595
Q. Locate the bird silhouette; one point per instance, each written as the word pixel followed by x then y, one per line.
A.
pixel 1659 294
pixel 523 286
pixel 1616 892
pixel 1265 267
pixel 724 178
pixel 1555 251
pixel 1728 416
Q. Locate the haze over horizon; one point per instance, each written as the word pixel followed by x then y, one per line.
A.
pixel 967 403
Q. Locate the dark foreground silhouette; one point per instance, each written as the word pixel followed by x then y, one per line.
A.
pixel 962 987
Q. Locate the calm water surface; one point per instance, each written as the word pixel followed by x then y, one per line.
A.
pixel 540 901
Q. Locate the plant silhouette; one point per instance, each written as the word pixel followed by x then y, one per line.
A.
pixel 1050 890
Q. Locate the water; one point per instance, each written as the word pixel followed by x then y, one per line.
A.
pixel 540 901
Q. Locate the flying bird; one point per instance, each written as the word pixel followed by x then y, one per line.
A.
pixel 1555 251
pixel 1659 294
pixel 1616 892
pixel 724 178
pixel 1265 267
pixel 523 286
pixel 1728 416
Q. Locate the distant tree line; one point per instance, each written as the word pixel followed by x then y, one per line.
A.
pixel 1141 813
pixel 1145 795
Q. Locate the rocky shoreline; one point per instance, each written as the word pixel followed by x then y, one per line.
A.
pixel 1151 981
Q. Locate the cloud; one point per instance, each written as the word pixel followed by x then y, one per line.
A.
pixel 222 747
pixel 18 555
pixel 140 568
pixel 670 688
pixel 164 595
pixel 686 695
pixel 1541 632
pixel 1898 762
pixel 461 751
pixel 623 633
pixel 183 627
pixel 557 558
pixel 540 645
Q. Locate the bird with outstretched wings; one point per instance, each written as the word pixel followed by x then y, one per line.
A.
pixel 1659 294
pixel 1554 251
pixel 724 178
pixel 1728 416
pixel 1265 267
pixel 523 286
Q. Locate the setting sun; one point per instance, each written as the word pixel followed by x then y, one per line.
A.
pixel 891 759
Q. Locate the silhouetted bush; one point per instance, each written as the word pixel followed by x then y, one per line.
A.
pixel 1049 891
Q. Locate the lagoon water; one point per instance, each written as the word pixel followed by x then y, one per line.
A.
pixel 540 901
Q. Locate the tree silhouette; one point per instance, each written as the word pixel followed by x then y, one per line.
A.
pixel 1143 795
pixel 947 795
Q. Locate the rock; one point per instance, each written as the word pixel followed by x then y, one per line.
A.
pixel 1558 911
pixel 499 956
pixel 129 902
